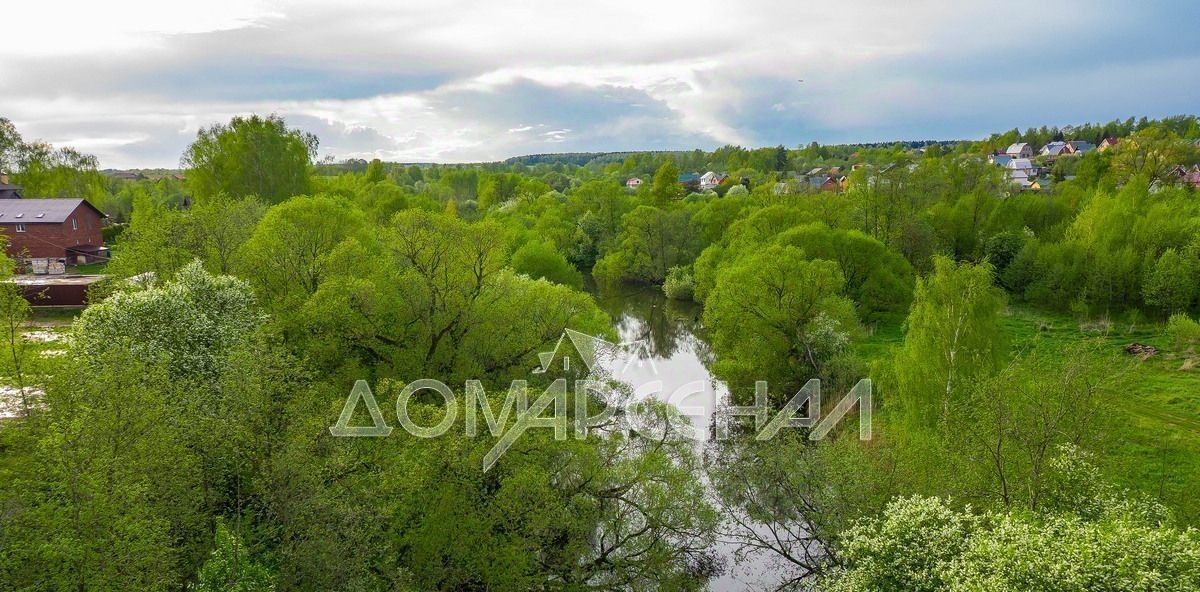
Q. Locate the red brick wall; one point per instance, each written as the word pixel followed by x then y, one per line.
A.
pixel 43 239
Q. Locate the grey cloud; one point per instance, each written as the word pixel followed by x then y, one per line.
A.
pixel 410 80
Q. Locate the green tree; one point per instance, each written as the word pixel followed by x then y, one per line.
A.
pixel 922 544
pixel 11 145
pixel 152 242
pixel 1006 429
pixel 665 188
pixel 219 227
pixel 108 503
pixel 253 155
pixel 953 339
pixel 540 260
pixel 877 278
pixel 1171 284
pixel 652 241
pixel 1151 154
pixel 438 302
pixel 289 252
pixel 780 317
pixel 230 568
pixel 374 173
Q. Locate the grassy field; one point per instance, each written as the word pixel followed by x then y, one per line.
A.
pixel 90 268
pixel 1156 447
pixel 47 315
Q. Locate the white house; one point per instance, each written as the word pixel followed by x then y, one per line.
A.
pixel 710 180
pixel 633 183
pixel 1021 171
pixel 1020 150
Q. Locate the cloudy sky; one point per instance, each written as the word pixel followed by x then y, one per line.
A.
pixel 453 80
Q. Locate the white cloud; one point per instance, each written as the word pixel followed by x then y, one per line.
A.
pixel 132 81
pixel 84 27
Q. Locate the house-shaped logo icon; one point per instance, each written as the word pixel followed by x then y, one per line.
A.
pixel 581 355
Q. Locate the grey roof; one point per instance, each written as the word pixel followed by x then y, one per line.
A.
pixel 1016 148
pixel 819 180
pixel 34 211
pixel 1054 148
pixel 9 191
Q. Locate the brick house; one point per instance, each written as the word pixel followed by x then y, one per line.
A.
pixel 67 228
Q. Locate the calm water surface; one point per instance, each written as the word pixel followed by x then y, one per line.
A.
pixel 676 369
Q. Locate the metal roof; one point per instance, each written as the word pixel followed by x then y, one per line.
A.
pixel 1016 148
pixel 1054 148
pixel 34 211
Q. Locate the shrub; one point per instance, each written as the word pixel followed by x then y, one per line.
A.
pixel 1183 330
pixel 679 285
pixel 540 260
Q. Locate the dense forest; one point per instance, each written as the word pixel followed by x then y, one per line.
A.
pixel 178 438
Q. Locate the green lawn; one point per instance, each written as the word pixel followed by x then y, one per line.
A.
pixel 90 268
pixel 1156 447
pixel 53 315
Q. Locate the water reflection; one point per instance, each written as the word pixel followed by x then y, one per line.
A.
pixel 676 367
pixel 676 358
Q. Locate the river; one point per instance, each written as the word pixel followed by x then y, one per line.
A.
pixel 676 368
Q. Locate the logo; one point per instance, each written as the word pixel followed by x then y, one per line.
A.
pixel 589 367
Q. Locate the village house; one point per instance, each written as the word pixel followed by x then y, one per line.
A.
pixel 1080 146
pixel 124 175
pixel 1053 150
pixel 1022 172
pixel 1107 143
pixel 1020 150
pixel 999 159
pixel 823 183
pixel 1188 176
pixel 633 183
pixel 711 180
pixel 1193 176
pixel 67 228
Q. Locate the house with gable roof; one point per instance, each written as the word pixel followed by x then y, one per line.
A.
pixel 1020 150
pixel 57 228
